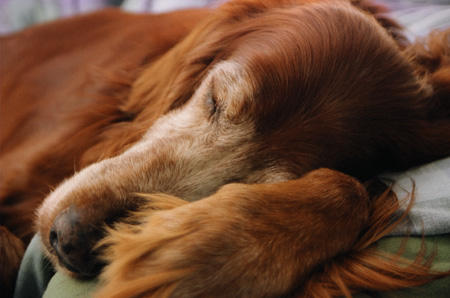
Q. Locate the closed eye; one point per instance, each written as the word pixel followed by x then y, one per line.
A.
pixel 211 101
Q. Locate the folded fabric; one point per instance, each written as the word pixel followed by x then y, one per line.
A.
pixel 430 186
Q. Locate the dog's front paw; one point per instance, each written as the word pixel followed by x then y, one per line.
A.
pixel 191 251
pixel 244 241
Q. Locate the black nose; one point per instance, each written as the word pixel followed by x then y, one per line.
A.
pixel 73 238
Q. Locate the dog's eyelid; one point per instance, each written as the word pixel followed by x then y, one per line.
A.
pixel 211 99
pixel 211 102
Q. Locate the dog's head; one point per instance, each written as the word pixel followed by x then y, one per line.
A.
pixel 266 94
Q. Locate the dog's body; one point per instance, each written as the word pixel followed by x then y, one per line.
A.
pixel 258 92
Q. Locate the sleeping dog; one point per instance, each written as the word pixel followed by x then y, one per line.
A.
pixel 223 153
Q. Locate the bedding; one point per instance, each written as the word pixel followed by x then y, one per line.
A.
pixel 65 287
pixel 62 286
pixel 430 214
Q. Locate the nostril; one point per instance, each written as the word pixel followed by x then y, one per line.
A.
pixel 53 238
pixel 68 248
pixel 72 237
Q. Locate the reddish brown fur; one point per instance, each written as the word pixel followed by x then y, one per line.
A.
pixel 11 252
pixel 225 255
pixel 265 242
pixel 319 102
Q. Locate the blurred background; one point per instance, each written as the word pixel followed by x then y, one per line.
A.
pixel 18 14
pixel 419 16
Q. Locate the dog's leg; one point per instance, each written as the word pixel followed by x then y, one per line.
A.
pixel 257 240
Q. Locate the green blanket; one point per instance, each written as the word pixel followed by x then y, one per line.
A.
pixel 64 287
